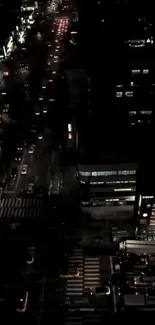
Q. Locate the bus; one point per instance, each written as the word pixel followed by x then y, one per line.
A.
pixel 141 247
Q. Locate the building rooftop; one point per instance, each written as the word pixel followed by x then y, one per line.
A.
pixel 100 143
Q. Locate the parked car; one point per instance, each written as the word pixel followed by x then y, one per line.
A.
pixel 100 291
pixel 73 273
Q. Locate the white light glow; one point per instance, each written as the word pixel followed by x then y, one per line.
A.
pixel 69 128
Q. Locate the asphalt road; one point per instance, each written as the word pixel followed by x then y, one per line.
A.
pixel 44 290
pixel 38 163
pixel 48 295
pixel 38 168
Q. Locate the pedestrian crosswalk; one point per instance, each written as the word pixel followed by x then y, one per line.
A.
pixel 74 287
pixel 91 272
pixel 85 319
pixel 89 268
pixel 20 208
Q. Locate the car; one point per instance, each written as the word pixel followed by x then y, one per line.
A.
pixel 33 129
pixel 40 136
pixel 1 191
pixel 6 108
pixel 39 191
pixel 147 271
pixel 18 156
pixel 150 260
pixel 30 255
pixel 38 34
pixel 100 291
pixel 73 273
pixel 20 147
pixel 14 293
pixel 30 188
pixel 150 292
pixel 44 83
pixel 32 148
pixel 59 145
pixel 41 96
pixel 37 111
pixel 21 299
pixel 14 172
pixel 126 290
pixel 144 280
pixel 44 109
pixel 132 259
pixel 51 99
pixel 18 293
pixel 26 84
pixel 24 169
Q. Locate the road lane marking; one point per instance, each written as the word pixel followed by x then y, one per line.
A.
pixel 111 265
pixel 113 287
pixel 19 174
pixel 114 299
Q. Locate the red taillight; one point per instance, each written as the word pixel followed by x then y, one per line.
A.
pixel 22 310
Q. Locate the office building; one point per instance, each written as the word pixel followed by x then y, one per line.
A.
pixel 146 195
pixel 108 190
pixel 107 175
pixel 120 65
pixel 119 119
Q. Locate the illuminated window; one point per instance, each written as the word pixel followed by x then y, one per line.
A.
pixel 119 94
pixel 120 182
pixel 135 72
pixel 119 86
pixel 131 113
pixel 123 189
pixel 146 112
pixel 95 174
pixel 126 172
pixel 129 93
pixel 84 173
pixel 145 71
pixel 104 173
pixel 96 183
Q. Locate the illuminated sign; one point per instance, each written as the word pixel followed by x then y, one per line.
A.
pixel 9 46
pixel 69 127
